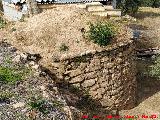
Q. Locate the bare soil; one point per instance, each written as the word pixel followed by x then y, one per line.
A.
pixel 148 94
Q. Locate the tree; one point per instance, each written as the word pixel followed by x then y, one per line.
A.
pixel 156 3
pixel 128 6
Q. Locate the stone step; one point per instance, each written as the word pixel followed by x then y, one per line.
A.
pixel 108 7
pixel 106 13
pixel 85 5
pixel 93 4
pixel 95 8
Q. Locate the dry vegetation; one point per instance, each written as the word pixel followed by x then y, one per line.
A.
pixel 48 31
pixel 149 19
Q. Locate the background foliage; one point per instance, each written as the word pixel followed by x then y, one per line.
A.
pixel 131 6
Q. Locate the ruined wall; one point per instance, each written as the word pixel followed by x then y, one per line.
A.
pixel 109 74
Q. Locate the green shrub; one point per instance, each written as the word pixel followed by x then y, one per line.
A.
pixel 63 47
pixel 156 3
pixel 150 3
pixel 101 33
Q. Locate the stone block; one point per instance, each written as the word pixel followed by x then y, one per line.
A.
pixel 107 101
pixel 89 83
pixel 101 90
pixel 73 73
pixel 93 93
pixel 95 87
pixel 119 60
pixel 95 8
pixel 105 71
pixel 90 75
pixel 83 66
pixel 108 65
pixel 104 79
pixel 105 59
pixel 104 85
pixel 77 79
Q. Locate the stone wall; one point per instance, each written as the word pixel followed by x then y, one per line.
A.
pixel 108 75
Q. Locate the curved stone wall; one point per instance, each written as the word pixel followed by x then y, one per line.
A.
pixel 108 75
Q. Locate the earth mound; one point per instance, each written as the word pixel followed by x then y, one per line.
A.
pixel 56 29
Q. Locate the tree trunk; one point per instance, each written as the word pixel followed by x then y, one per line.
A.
pixel 32 7
pixel 1 6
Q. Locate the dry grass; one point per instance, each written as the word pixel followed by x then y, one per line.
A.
pixel 149 18
pixel 46 32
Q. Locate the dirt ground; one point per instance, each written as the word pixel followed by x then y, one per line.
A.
pixel 148 22
pixel 47 32
pixel 148 94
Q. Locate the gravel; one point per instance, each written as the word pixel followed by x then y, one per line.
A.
pixel 22 93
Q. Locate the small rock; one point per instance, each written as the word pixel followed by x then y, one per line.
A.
pixel 45 94
pixel 89 83
pixel 35 66
pixel 17 59
pixel 17 105
pixel 33 57
pixel 32 63
pixel 24 56
pixel 42 87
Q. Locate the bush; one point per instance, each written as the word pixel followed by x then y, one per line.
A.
pixel 150 3
pixel 101 33
pixel 156 3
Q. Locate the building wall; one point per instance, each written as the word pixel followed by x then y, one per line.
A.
pixel 108 75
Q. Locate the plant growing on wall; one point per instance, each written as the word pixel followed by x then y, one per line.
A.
pixel 101 33
pixel 155 69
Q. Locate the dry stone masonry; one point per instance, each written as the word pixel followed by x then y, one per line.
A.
pixel 108 75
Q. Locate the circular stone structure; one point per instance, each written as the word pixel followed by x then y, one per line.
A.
pixel 108 75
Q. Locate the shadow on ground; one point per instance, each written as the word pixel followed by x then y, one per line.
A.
pixel 144 14
pixel 147 85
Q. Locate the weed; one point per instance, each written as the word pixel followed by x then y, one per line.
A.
pixel 2 23
pixel 39 105
pixel 22 18
pixel 12 75
pixel 8 75
pixel 101 33
pixel 13 29
pixel 57 104
pixel 63 47
pixel 5 96
pixel 155 69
